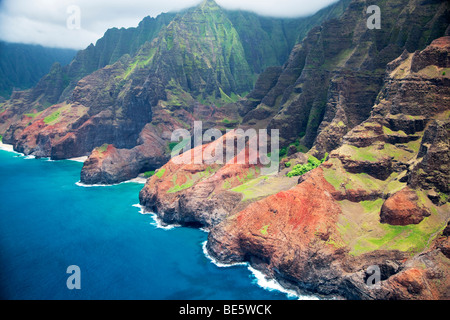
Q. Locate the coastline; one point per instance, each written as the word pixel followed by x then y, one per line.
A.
pixel 256 277
pixel 7 147
pixel 79 159
pixel 260 278
pixel 10 148
pixel 137 180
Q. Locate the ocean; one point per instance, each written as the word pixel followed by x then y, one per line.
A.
pixel 48 222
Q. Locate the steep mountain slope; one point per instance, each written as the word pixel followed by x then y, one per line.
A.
pixel 22 66
pixel 332 79
pixel 59 83
pixel 265 41
pixel 172 70
pixel 268 42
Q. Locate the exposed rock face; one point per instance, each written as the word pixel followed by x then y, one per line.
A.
pixel 197 194
pixel 403 208
pixel 118 165
pixel 433 168
pixel 331 80
pixel 443 243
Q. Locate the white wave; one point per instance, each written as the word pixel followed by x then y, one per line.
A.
pixel 79 159
pixel 135 180
pixel 80 184
pixel 219 264
pixel 29 157
pixel 157 222
pixel 204 229
pixel 7 147
pixel 273 285
pixel 260 279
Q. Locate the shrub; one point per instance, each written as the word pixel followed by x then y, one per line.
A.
pixel 149 174
pixel 160 173
pixel 301 169
pixel 53 117
pixel 103 148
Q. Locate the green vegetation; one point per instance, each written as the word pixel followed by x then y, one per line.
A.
pixel 149 174
pixel 53 117
pixel 103 148
pixel 264 230
pixel 287 164
pixel 177 188
pixel 208 172
pixel 361 230
pixel 160 173
pixel 226 185
pixel 250 189
pixel 1 138
pixel 32 115
pixel 251 174
pixel 443 197
pixel 297 144
pixel 177 148
pixel 172 145
pixel 371 206
pixel 301 169
pixel 389 132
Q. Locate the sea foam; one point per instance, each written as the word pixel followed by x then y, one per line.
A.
pixel 157 222
pixel 259 278
pixel 217 263
pixel 136 180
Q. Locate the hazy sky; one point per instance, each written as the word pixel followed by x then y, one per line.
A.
pixel 45 22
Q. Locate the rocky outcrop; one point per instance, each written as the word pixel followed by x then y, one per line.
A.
pixel 432 171
pixel 198 194
pixel 113 165
pixel 403 208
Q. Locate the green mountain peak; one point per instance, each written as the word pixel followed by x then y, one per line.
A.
pixel 201 51
pixel 211 4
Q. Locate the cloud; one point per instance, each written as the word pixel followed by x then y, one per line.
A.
pixel 45 22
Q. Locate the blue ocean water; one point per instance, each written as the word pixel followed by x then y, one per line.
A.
pixel 48 223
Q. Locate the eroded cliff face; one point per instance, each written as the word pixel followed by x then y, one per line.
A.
pixel 331 80
pixel 363 207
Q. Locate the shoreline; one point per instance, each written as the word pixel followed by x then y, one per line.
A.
pixel 258 278
pixel 8 147
pixel 78 159
pixel 137 180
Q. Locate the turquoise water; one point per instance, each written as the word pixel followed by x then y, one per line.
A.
pixel 48 223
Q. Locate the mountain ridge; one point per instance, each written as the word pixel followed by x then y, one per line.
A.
pixel 112 92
